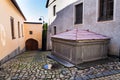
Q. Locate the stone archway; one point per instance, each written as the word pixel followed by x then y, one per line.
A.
pixel 31 44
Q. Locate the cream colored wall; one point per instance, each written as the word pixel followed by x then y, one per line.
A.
pixel 60 4
pixel 37 32
pixel 7 44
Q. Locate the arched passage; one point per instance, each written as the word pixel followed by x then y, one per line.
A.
pixel 31 44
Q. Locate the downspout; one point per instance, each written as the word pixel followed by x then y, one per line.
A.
pixel 119 53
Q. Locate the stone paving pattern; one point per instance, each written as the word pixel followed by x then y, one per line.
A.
pixel 29 66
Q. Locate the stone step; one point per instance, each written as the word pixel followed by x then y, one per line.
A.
pixel 61 61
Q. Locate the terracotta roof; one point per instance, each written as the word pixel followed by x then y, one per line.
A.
pixel 16 5
pixel 78 34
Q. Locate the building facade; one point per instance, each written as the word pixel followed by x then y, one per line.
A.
pixel 11 30
pixel 100 16
pixel 33 35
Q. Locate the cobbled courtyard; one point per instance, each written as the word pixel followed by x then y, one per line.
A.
pixel 29 66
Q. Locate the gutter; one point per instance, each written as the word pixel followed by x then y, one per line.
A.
pixel 32 23
pixel 47 3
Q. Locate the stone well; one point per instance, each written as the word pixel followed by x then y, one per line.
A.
pixel 78 46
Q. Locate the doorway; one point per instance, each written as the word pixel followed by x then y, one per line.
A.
pixel 31 44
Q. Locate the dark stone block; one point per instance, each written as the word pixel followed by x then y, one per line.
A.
pixel 111 73
pixel 99 75
pixel 114 71
pixel 14 78
pixel 107 73
pixel 118 70
pixel 85 78
pixel 91 76
pixel 78 78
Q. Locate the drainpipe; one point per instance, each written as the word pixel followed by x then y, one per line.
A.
pixel 119 54
pixel 0 66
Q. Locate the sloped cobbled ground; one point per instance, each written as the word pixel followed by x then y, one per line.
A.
pixel 29 66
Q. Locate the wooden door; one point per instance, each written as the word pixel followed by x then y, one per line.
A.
pixel 31 44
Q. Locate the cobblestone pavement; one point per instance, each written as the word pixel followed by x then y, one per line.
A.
pixel 29 66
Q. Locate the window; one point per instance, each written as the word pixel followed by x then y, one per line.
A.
pixel 106 10
pixel 19 29
pixel 30 32
pixel 22 30
pixel 12 27
pixel 54 10
pixel 79 13
pixel 54 30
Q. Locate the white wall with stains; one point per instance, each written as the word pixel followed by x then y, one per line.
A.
pixel 64 20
